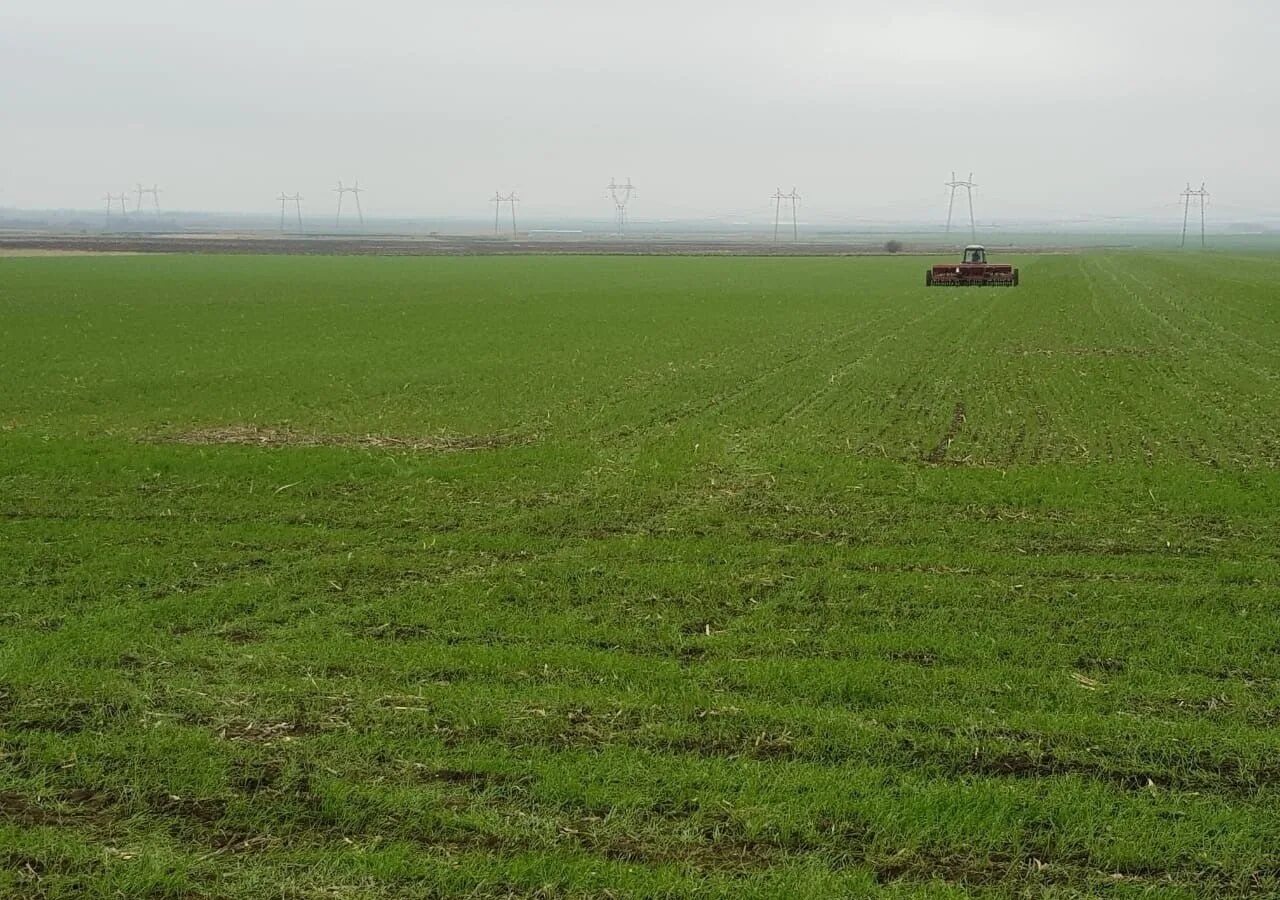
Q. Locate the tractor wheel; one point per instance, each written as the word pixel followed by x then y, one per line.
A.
pixel 1015 277
pixel 928 278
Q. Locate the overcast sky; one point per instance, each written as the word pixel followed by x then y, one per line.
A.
pixel 1061 109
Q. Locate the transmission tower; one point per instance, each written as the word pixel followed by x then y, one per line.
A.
pixel 285 200
pixel 112 199
pixel 1186 210
pixel 155 197
pixel 356 190
pixel 794 199
pixel 621 195
pixel 955 184
pixel 497 200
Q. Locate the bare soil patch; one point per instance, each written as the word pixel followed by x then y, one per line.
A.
pixel 62 251
pixel 76 807
pixel 939 452
pixel 265 436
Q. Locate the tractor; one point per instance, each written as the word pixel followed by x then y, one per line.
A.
pixel 972 271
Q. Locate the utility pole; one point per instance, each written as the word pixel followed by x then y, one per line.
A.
pixel 794 199
pixel 1204 196
pixel 955 184
pixel 777 212
pixel 621 195
pixel 1186 211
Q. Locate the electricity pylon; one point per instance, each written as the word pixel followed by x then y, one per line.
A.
pixel 1186 210
pixel 296 200
pixel 794 199
pixel 497 200
pixel 621 195
pixel 955 184
pixel 356 190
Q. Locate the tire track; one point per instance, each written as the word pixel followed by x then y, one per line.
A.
pixel 839 373
pixel 939 452
pixel 698 405
pixel 1208 393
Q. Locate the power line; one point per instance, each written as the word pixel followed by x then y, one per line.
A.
pixel 1186 210
pixel 955 184
pixel 794 199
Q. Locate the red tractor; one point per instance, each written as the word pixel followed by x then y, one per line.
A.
pixel 973 271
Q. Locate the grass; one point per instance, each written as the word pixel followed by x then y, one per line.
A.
pixel 638 577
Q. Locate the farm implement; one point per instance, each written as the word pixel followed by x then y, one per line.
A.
pixel 973 270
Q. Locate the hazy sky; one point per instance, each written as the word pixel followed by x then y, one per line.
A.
pixel 1063 109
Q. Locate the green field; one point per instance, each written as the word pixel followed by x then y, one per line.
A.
pixel 614 577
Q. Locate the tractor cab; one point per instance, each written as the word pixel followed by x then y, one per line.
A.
pixel 975 253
